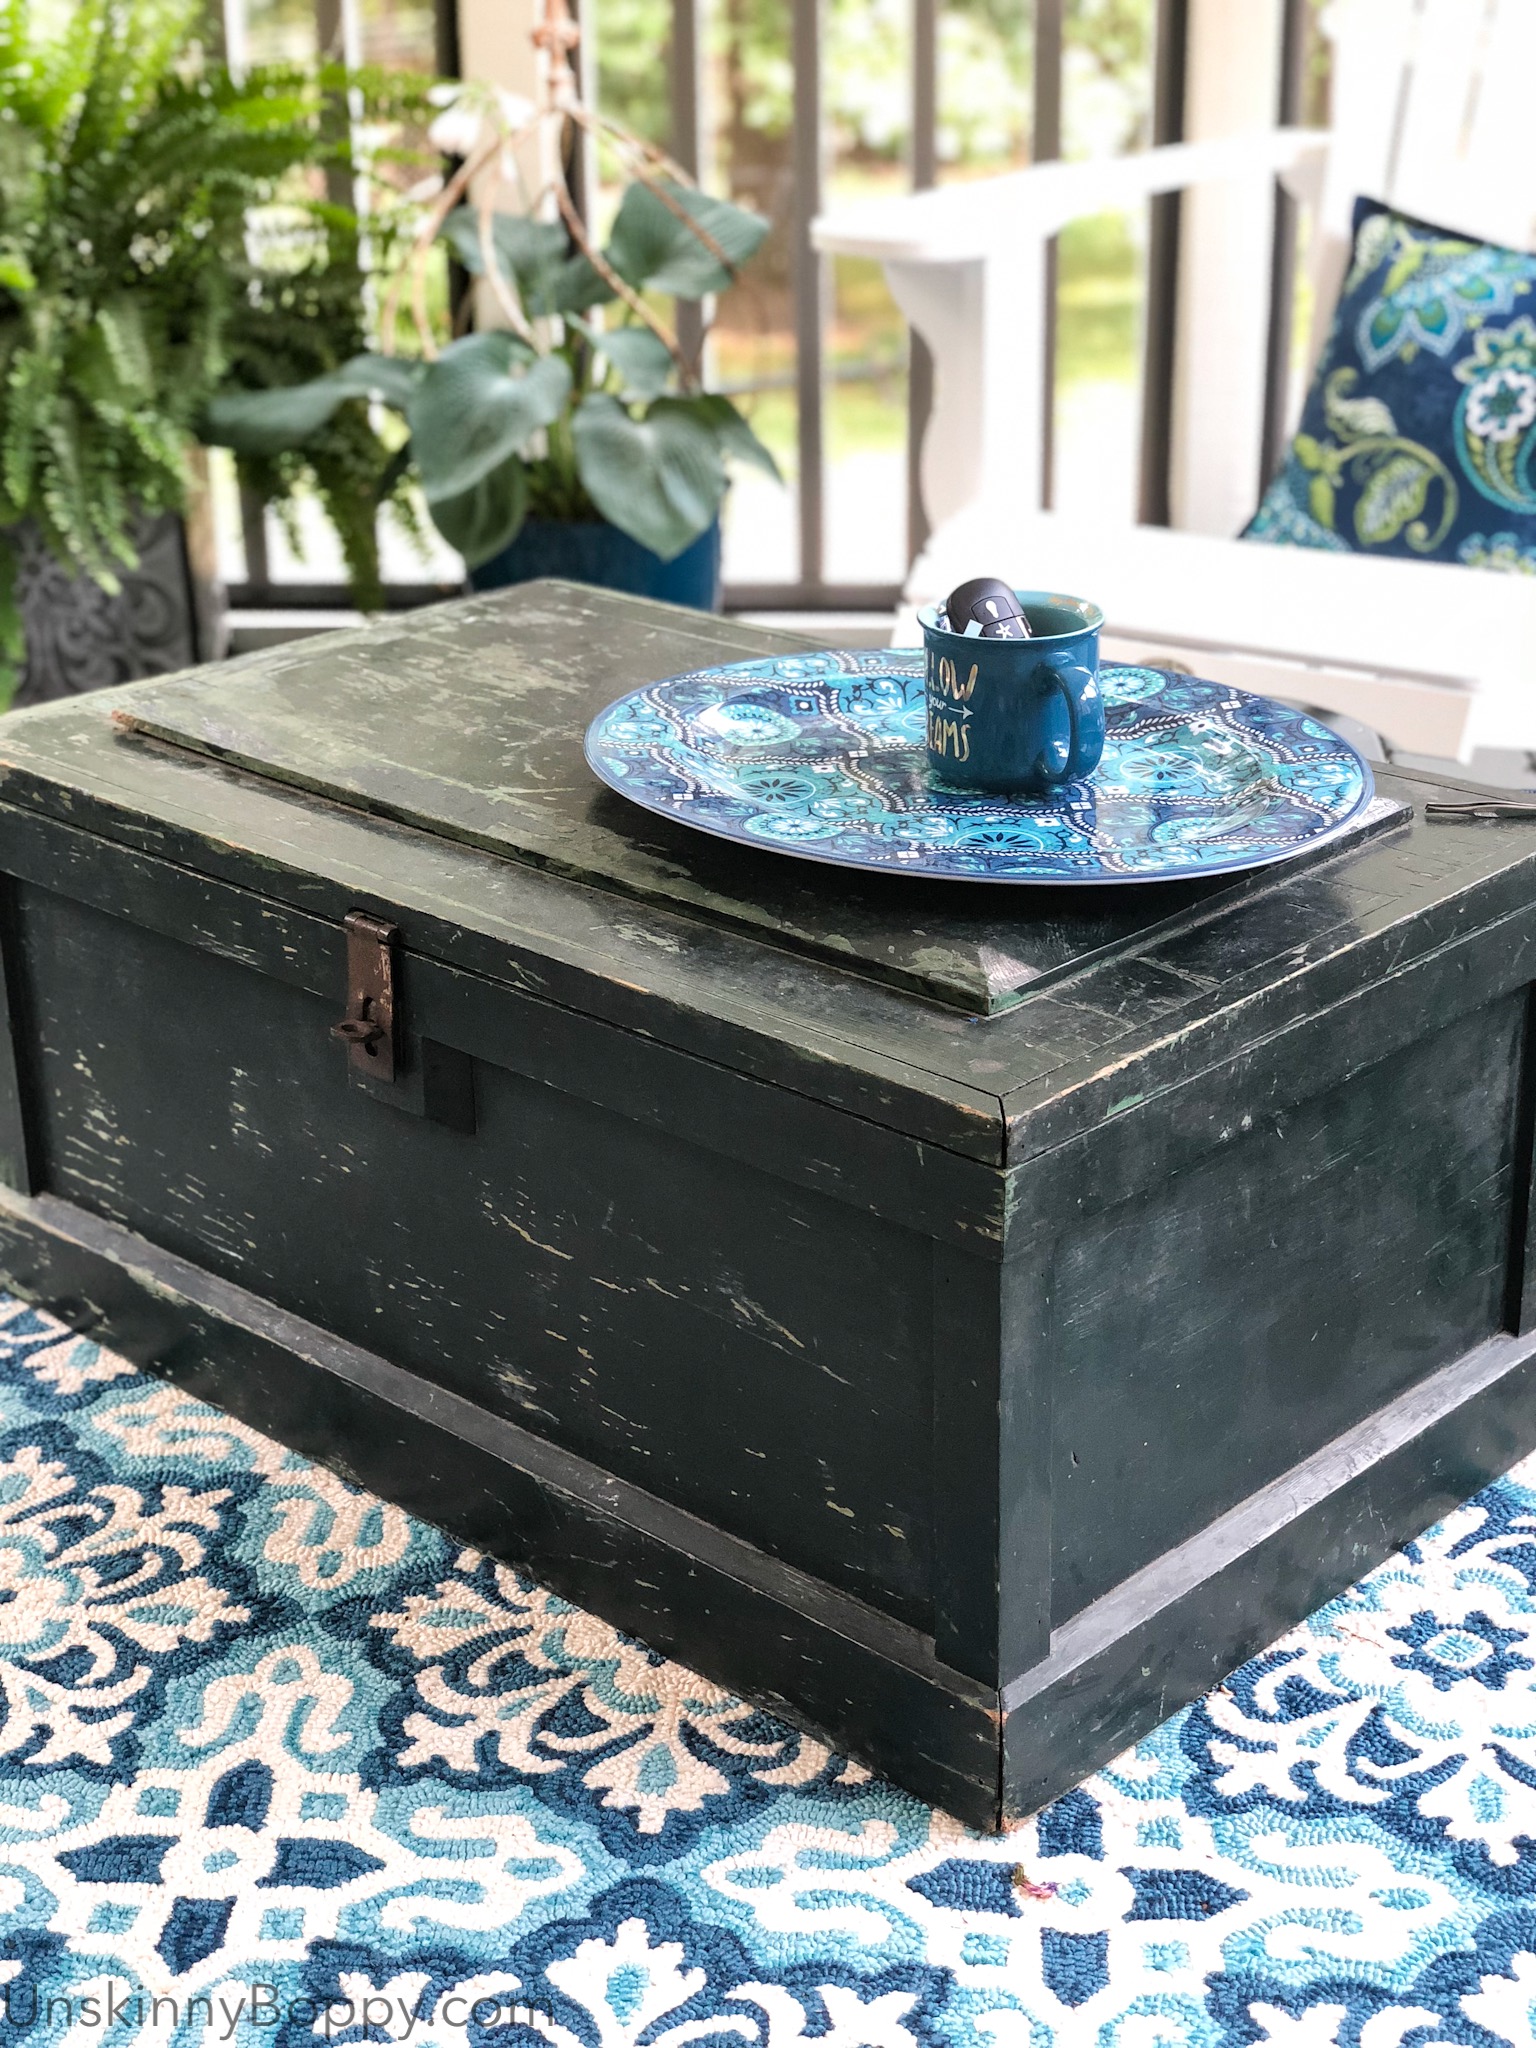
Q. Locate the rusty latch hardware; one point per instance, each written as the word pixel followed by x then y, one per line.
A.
pixel 368 1029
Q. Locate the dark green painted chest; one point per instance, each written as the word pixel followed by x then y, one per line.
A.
pixel 969 1320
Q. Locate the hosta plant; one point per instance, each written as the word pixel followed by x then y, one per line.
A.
pixel 579 403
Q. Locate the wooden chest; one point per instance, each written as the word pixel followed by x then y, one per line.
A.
pixel 969 1321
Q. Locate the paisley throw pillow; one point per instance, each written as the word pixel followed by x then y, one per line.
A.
pixel 1418 436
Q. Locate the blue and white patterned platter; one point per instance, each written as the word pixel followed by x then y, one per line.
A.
pixel 822 756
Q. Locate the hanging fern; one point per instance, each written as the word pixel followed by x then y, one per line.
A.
pixel 131 287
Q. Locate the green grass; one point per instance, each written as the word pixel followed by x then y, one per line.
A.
pixel 1098 303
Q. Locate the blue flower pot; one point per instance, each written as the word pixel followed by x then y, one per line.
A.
pixel 595 552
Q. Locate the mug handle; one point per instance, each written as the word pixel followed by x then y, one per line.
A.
pixel 1061 667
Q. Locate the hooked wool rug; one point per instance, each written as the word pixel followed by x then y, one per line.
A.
pixel 280 1765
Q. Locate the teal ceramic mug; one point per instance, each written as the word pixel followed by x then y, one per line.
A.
pixel 1019 716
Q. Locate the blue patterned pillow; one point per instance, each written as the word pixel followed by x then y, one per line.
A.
pixel 1419 433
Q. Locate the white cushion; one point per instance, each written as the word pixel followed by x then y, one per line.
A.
pixel 1447 635
pixel 1424 618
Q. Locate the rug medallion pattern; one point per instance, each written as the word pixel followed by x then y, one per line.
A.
pixel 280 1765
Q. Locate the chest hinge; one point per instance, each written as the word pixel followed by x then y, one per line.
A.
pixel 368 1028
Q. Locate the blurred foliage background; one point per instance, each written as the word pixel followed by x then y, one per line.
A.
pixel 985 92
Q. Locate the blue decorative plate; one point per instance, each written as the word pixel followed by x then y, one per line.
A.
pixel 822 755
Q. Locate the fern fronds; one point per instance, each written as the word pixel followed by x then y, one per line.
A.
pixel 127 169
pixel 132 284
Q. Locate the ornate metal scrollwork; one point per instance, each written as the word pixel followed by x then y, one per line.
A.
pixel 79 637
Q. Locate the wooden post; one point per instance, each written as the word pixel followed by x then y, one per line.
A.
pixel 1222 295
pixel 495 45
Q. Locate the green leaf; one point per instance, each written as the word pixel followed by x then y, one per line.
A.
pixel 121 324
pixel 1355 418
pixel 480 402
pixel 487 517
pixel 527 248
pixel 16 273
pixel 1395 494
pixel 642 359
pixel 660 479
pixel 1361 419
pixel 651 246
pixel 109 363
pixel 733 435
pixel 1320 498
pixel 266 422
pixel 1307 452
pixel 523 244
pixel 391 379
pixel 1410 258
pixel 536 254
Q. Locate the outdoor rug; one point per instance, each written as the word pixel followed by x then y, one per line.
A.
pixel 279 1765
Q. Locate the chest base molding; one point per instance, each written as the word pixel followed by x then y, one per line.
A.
pixel 868 1684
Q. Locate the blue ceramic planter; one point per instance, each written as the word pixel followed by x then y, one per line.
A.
pixel 599 553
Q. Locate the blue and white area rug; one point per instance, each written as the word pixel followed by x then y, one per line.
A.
pixel 279 1765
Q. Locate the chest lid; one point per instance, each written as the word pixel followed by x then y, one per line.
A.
pixel 466 722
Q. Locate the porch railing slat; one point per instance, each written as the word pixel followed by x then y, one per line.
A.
pixel 688 143
pixel 925 172
pixel 1282 268
pixel 809 274
pixel 1045 147
pixel 1170 65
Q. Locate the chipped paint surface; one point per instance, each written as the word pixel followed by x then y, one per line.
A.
pixel 739 1225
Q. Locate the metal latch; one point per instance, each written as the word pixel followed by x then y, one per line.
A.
pixel 368 1029
pixel 1489 810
